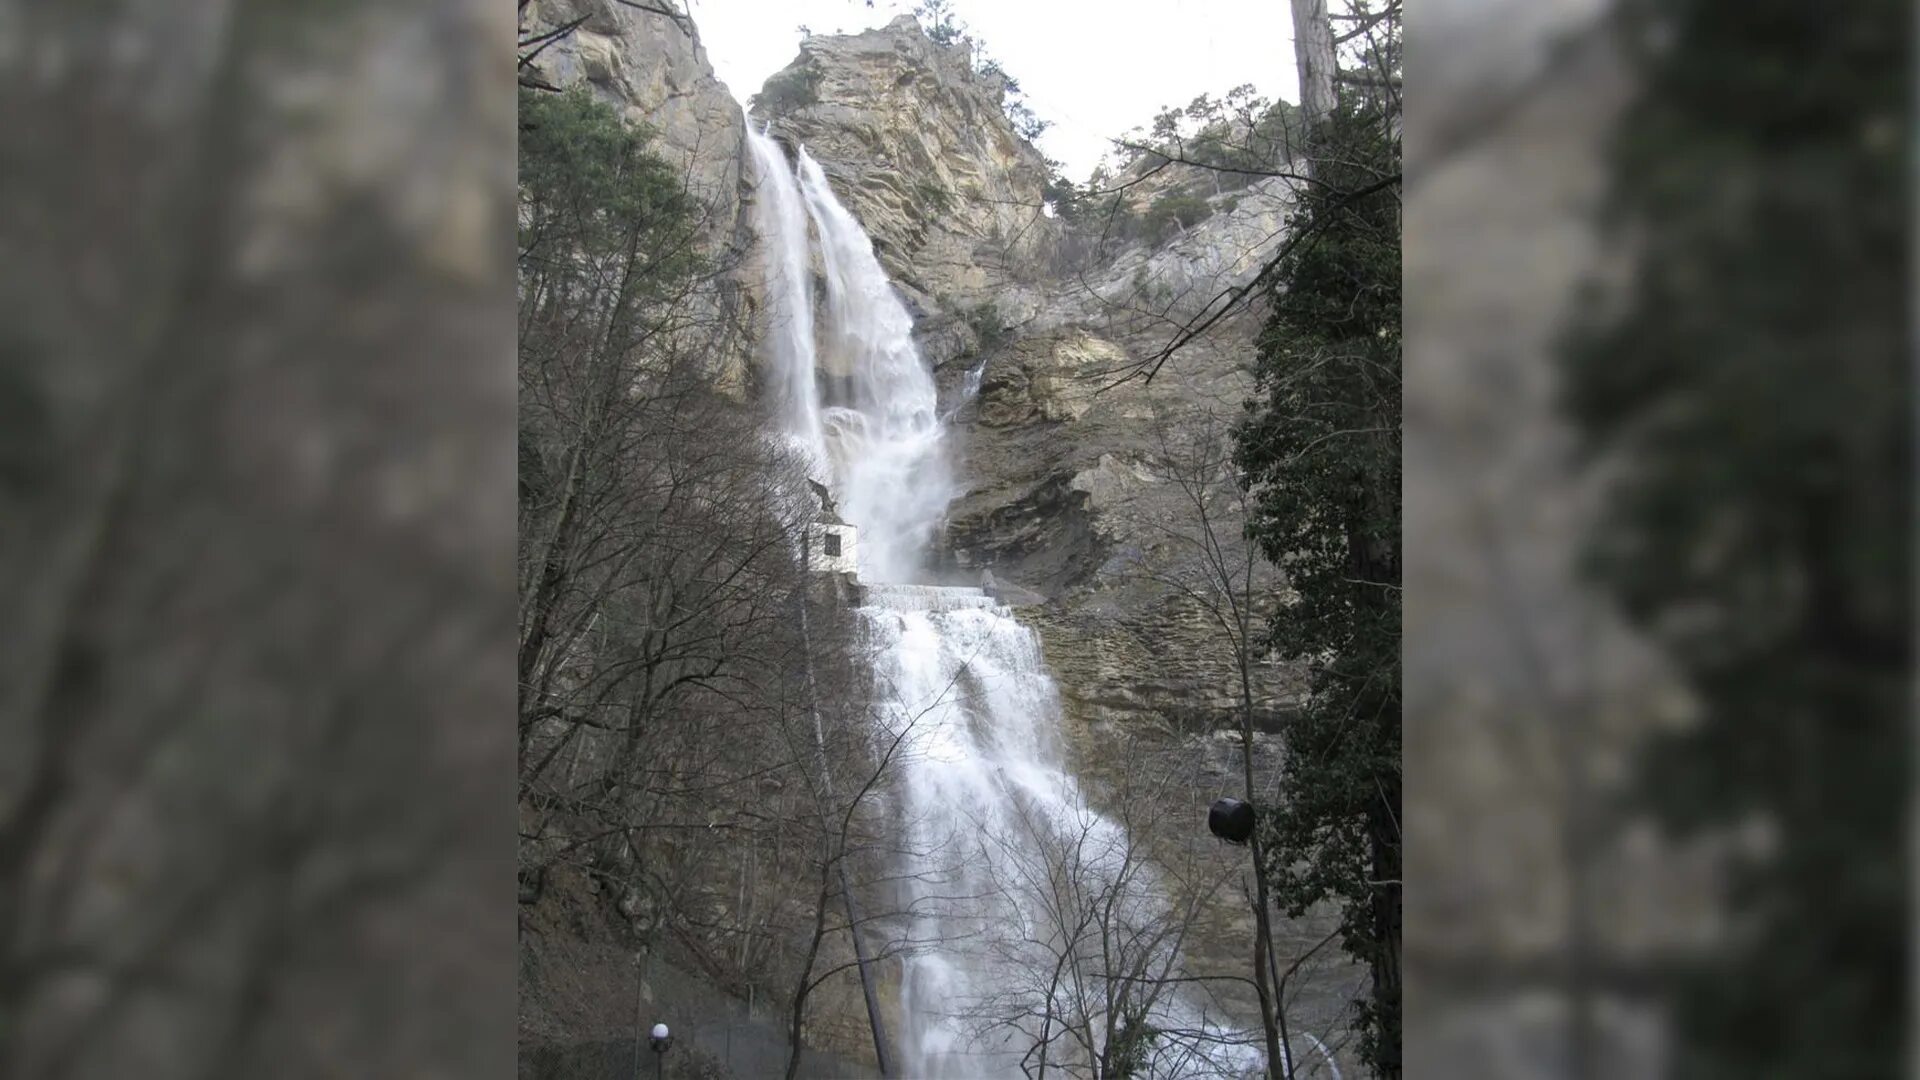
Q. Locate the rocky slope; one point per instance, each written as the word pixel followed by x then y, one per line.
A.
pixel 654 70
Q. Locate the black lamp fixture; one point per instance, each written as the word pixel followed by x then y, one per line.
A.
pixel 1231 820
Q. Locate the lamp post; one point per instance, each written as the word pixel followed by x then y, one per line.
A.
pixel 1234 821
pixel 659 1039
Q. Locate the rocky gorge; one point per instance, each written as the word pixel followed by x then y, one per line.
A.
pixel 1081 456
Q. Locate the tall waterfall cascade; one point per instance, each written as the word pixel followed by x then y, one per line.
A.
pixel 998 840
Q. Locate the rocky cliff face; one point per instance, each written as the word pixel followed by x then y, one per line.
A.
pixel 1074 461
pixel 653 69
pixel 1073 499
pixel 1072 494
pixel 1069 503
pixel 915 142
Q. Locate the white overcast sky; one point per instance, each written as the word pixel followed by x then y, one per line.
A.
pixel 1095 69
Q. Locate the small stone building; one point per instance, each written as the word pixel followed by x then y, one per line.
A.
pixel 831 543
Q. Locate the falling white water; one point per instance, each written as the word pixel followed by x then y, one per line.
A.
pixel 987 806
pixel 969 389
pixel 887 445
pixel 782 222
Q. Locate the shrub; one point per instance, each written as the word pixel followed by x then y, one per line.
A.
pixel 1173 211
pixel 787 91
pixel 933 195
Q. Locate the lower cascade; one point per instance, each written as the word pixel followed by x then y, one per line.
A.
pixel 1001 858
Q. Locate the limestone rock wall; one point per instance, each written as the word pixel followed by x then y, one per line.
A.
pixel 653 70
pixel 918 148
pixel 1071 461
pixel 1070 500
pixel 1066 498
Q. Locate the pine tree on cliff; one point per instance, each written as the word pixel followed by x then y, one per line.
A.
pixel 1754 384
pixel 1320 451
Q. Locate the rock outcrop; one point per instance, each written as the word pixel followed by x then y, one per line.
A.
pixel 1067 500
pixel 1074 511
pixel 1071 456
pixel 652 68
pixel 915 142
pixel 1039 354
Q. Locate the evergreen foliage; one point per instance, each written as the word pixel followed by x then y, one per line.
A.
pixel 942 25
pixel 1172 211
pixel 1236 139
pixel 1066 198
pixel 788 90
pixel 1320 452
pixel 589 189
pixel 1752 388
pixel 938 19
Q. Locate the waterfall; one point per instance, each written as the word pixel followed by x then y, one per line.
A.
pixel 998 842
pixel 886 443
pixel 781 222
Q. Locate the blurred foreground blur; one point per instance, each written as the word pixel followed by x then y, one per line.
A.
pixel 256 467
pixel 1659 489
pixel 256 539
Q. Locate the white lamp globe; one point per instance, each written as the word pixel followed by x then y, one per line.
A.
pixel 659 1031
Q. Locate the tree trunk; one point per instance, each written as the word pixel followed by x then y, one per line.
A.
pixel 1386 928
pixel 1376 563
pixel 796 1024
pixel 547 587
pixel 1262 932
pixel 875 1022
pixel 1313 55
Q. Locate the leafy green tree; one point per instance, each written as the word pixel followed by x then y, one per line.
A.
pixel 592 193
pixel 1026 123
pixel 1751 389
pixel 1227 142
pixel 1320 451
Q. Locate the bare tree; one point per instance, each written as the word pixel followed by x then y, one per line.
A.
pixel 683 710
pixel 850 837
pixel 1225 577
pixel 1093 981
